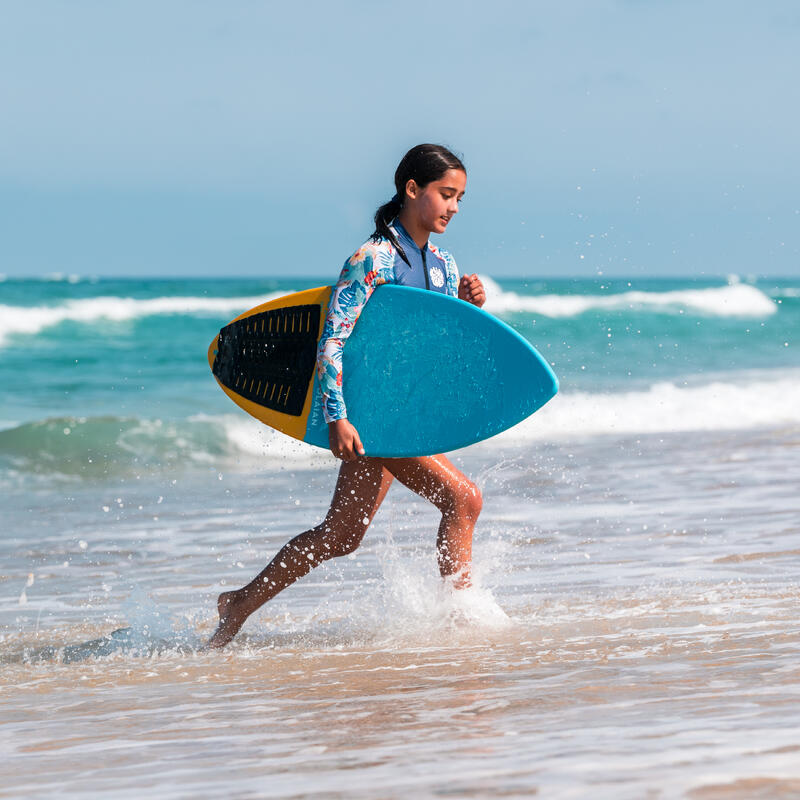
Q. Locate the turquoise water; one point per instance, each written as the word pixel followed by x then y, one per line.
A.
pixel 111 360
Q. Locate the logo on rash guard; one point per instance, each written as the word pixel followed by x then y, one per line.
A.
pixel 437 277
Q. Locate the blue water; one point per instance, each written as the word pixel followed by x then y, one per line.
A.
pixel 112 362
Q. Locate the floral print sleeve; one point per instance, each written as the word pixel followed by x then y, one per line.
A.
pixel 370 266
pixel 452 270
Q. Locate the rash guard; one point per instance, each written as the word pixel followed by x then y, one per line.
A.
pixel 373 264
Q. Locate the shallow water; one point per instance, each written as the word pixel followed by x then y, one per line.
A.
pixel 633 633
pixel 632 629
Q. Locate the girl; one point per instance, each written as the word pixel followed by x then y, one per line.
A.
pixel 430 183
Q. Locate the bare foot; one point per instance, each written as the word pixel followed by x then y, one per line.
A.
pixel 459 580
pixel 231 618
pixel 462 580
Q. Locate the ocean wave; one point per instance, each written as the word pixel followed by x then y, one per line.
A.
pixel 95 447
pixel 666 407
pixel 31 320
pixel 49 277
pixel 735 300
pixel 61 277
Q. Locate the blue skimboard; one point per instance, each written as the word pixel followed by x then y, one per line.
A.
pixel 424 373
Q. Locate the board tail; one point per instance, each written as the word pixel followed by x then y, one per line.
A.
pixel 269 357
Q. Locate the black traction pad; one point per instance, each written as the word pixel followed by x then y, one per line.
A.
pixel 269 358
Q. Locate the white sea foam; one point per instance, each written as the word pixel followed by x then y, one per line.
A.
pixel 235 441
pixel 31 320
pixel 735 300
pixel 251 438
pixel 60 277
pixel 666 407
pixel 411 604
pixel 730 404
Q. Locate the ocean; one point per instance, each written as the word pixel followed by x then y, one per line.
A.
pixel 632 631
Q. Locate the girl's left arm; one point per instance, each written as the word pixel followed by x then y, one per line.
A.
pixel 452 273
pixel 471 289
pixel 468 288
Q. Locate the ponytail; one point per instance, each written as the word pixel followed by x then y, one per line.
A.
pixel 422 164
pixel 383 218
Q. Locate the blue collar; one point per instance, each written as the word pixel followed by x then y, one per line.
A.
pixel 404 237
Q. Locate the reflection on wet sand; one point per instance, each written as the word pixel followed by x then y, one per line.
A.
pixel 640 689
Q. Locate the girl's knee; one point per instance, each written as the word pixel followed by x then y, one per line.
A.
pixel 336 545
pixel 472 500
pixel 464 500
pixel 343 547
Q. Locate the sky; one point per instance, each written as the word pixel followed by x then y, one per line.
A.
pixel 601 137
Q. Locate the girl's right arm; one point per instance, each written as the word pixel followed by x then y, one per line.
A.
pixel 344 440
pixel 367 268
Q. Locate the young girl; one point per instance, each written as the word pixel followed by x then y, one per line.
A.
pixel 430 183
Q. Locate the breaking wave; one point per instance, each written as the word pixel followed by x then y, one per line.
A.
pixel 100 446
pixel 667 407
pixel 94 447
pixel 31 320
pixel 736 300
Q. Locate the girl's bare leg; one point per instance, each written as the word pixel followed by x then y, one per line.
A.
pixel 359 491
pixel 436 479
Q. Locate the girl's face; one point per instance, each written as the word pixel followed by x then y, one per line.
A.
pixel 435 204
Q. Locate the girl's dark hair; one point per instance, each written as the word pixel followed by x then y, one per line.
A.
pixel 423 164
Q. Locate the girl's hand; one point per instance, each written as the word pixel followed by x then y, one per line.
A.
pixel 470 289
pixel 344 440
